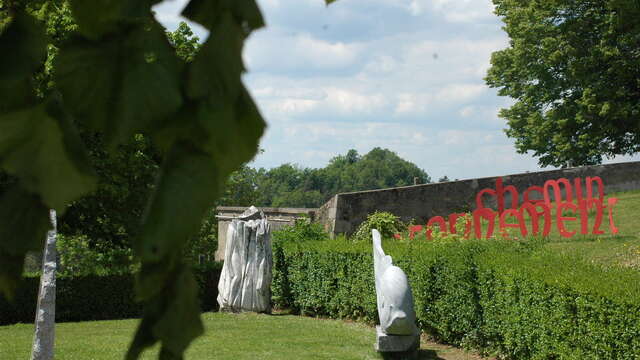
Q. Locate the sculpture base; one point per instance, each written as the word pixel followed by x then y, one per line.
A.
pixel 397 346
pixel 240 311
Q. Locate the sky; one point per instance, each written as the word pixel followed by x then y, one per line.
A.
pixel 406 75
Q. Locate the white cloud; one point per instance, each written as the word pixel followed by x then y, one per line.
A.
pixel 291 106
pixel 454 10
pixel 467 111
pixel 460 92
pixel 421 103
pixel 275 51
pixel 326 101
pixel 349 101
pixel 381 64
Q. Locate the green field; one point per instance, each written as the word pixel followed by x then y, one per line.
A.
pixel 622 249
pixel 228 336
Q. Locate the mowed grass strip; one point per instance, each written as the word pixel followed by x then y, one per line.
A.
pixel 228 336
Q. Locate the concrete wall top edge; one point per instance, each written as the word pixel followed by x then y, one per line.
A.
pixel 506 177
pixel 240 209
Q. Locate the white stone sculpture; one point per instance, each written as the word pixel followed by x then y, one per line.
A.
pixel 245 281
pixel 44 337
pixel 397 331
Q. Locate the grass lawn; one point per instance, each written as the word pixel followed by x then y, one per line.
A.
pixel 228 336
pixel 622 249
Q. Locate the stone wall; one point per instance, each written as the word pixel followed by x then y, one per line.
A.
pixel 277 217
pixel 344 212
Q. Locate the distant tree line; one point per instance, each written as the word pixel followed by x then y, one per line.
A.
pixel 290 185
pixel 110 215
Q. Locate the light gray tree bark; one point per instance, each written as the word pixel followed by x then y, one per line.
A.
pixel 43 341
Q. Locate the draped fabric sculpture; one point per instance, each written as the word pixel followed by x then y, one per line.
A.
pixel 245 281
pixel 397 331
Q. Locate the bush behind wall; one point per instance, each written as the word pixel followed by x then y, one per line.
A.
pixel 514 299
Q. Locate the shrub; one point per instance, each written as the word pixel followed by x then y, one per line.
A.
pixel 385 222
pixel 513 298
pixel 95 297
pixel 301 230
pixel 80 257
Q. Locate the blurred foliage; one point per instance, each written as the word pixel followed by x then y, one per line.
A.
pixel 104 111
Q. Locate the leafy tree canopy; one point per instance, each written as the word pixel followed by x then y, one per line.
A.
pixel 292 186
pixel 573 67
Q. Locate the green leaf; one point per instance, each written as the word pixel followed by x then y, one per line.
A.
pixel 87 92
pixel 16 94
pixel 23 46
pixel 249 13
pixel 24 221
pixel 172 317
pixel 217 67
pixel 41 148
pixel 96 18
pixel 188 184
pixel 228 133
pixel 208 13
pixel 181 322
pixel 137 84
pixel 243 126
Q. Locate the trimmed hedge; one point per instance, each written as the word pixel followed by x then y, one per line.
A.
pixel 97 297
pixel 510 298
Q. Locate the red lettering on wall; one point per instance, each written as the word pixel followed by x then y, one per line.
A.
pixel 488 215
pixel 518 215
pixel 479 203
pixel 589 182
pixel 453 220
pixel 577 186
pixel 537 209
pixel 413 230
pixel 599 213
pixel 557 193
pixel 584 217
pixel 526 198
pixel 535 217
pixel 440 221
pixel 561 219
pixel 499 193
